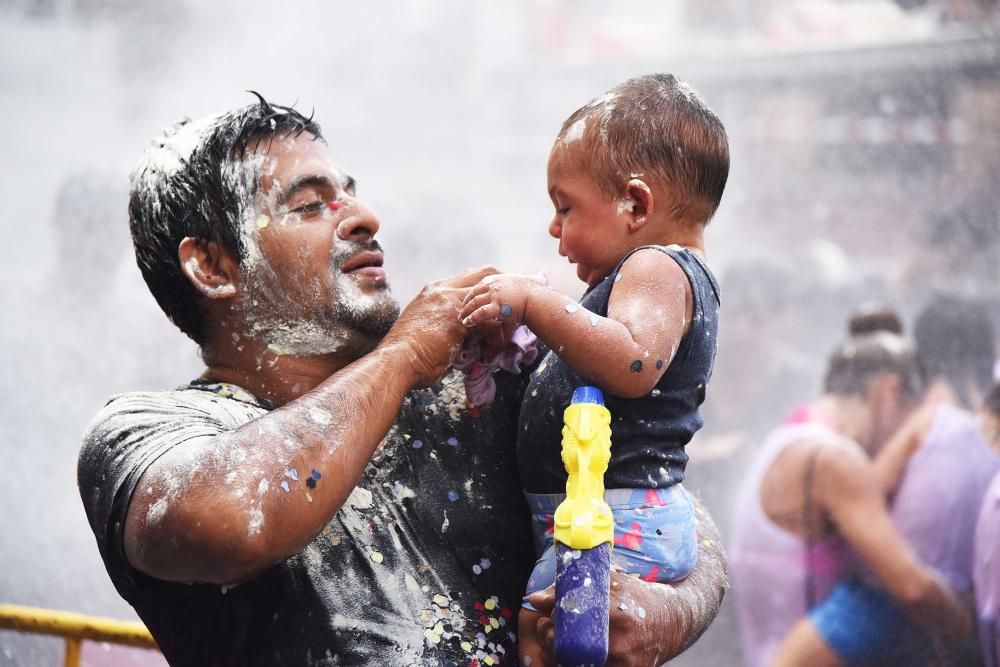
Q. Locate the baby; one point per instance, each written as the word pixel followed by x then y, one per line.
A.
pixel 634 176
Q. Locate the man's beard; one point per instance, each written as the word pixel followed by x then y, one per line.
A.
pixel 353 324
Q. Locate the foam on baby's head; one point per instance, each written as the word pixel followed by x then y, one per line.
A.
pixel 655 128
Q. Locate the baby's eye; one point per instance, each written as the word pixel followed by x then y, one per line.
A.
pixel 562 211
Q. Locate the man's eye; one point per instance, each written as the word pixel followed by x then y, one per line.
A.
pixel 311 207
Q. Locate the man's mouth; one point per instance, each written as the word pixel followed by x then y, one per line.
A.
pixel 365 263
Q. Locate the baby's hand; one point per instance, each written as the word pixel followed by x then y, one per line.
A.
pixel 502 297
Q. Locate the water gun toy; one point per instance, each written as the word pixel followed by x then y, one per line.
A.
pixel 584 533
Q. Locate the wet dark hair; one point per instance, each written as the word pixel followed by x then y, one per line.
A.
pixel 657 126
pixel 955 341
pixel 874 347
pixel 192 182
pixel 872 321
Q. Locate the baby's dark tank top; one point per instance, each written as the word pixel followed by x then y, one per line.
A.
pixel 648 434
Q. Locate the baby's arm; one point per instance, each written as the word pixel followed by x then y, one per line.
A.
pixel 625 353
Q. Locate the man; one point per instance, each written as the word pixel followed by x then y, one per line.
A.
pixel 304 502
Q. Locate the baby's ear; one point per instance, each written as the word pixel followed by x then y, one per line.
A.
pixel 637 203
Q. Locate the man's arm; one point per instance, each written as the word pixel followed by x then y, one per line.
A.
pixel 213 509
pixel 652 623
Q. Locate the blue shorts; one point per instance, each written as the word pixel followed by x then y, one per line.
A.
pixel 655 534
pixel 860 623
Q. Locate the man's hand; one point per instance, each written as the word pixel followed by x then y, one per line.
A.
pixel 429 327
pixel 633 635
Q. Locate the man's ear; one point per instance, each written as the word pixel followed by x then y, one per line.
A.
pixel 638 204
pixel 210 268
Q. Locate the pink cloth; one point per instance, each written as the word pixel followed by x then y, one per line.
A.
pixel 480 387
pixel 770 566
pixel 986 573
pixel 940 494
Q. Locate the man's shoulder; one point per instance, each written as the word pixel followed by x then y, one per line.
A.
pixel 130 419
pixel 145 407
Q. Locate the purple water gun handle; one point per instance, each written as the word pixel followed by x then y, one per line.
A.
pixel 583 598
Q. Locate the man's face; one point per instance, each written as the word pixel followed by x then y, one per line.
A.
pixel 312 274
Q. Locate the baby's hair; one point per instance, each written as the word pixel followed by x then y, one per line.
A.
pixel 657 128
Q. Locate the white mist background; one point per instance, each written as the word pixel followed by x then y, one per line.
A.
pixel 444 110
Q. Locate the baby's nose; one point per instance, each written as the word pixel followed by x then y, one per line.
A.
pixel 555 228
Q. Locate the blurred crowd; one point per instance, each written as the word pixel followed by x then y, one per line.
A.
pixel 859 571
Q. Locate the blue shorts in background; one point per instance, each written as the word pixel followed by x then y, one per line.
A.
pixel 860 623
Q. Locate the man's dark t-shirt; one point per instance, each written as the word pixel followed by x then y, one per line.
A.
pixel 424 565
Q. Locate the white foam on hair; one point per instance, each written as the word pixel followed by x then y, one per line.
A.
pixel 575 131
pixel 168 153
pixel 606 105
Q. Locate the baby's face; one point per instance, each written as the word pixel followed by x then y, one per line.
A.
pixel 592 230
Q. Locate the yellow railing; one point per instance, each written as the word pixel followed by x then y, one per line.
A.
pixel 75 628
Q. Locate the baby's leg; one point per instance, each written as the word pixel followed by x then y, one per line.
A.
pixel 655 533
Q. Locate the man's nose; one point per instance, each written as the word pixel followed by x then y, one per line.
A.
pixel 359 225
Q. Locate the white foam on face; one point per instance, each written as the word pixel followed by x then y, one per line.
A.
pixel 626 204
pixel 323 322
